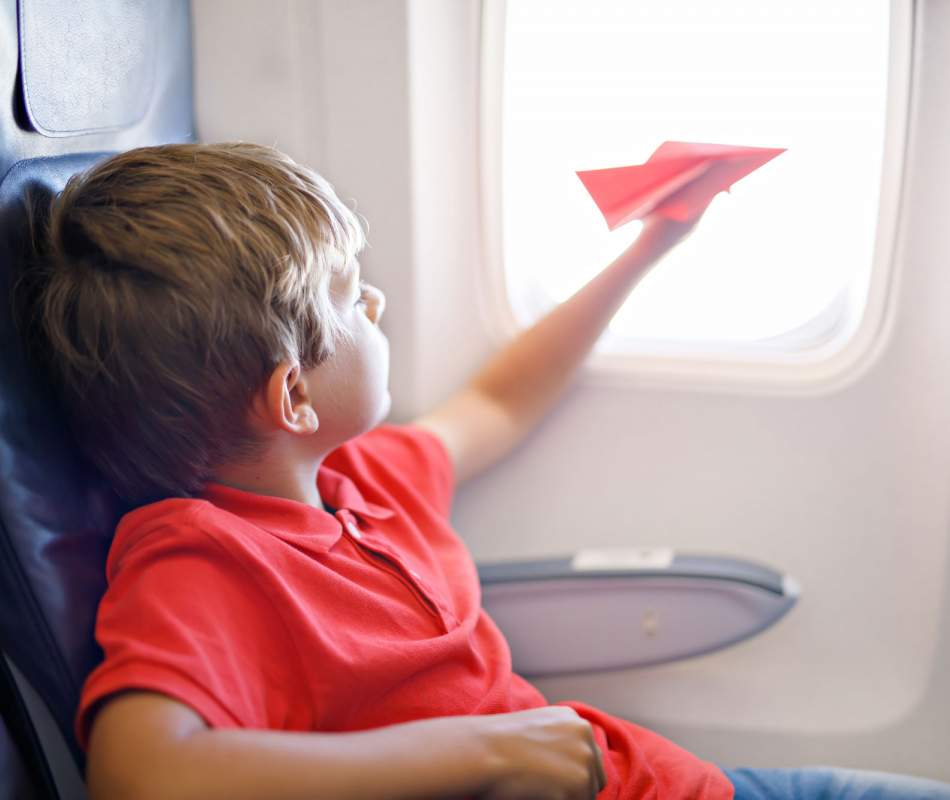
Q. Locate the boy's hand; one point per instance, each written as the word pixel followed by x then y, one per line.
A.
pixel 541 753
pixel 659 235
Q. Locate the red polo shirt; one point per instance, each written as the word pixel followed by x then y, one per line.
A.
pixel 262 612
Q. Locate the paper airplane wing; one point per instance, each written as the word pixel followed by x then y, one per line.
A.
pixel 678 181
pixel 701 150
pixel 626 193
pixel 727 164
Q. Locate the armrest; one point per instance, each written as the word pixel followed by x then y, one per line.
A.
pixel 621 608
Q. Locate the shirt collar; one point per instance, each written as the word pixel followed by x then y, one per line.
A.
pixel 292 520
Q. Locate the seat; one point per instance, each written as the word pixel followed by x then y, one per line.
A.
pixel 87 77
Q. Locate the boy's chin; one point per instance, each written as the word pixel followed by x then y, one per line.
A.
pixel 386 404
pixel 371 419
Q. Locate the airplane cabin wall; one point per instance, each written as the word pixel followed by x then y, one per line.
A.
pixel 848 490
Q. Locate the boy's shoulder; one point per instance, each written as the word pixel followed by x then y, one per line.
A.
pixel 151 524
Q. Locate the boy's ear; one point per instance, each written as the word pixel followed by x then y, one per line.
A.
pixel 288 401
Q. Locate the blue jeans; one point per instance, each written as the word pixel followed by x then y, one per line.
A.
pixel 832 783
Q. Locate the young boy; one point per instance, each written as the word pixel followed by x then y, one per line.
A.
pixel 289 613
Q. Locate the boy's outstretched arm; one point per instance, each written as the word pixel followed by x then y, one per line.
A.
pixel 515 388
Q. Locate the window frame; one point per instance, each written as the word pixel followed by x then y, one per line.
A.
pixel 847 348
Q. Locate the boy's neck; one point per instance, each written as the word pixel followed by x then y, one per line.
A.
pixel 292 481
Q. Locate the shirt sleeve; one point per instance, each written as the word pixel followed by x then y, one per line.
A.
pixel 423 456
pixel 182 617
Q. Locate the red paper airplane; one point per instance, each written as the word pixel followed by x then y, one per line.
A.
pixel 678 181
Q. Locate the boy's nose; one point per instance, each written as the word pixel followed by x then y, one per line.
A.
pixel 376 304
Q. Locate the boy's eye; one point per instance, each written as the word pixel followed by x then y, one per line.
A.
pixel 362 294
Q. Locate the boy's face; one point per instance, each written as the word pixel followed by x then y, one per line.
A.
pixel 351 388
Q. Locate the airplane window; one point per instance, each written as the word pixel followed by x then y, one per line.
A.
pixel 783 261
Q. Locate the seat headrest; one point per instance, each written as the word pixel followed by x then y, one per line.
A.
pixel 88 65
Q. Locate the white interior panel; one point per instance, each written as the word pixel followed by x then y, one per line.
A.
pixel 847 490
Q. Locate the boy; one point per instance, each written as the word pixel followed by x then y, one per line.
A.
pixel 289 613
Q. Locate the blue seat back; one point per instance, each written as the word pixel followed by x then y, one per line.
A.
pixel 88 78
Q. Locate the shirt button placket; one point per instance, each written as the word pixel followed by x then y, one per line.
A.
pixel 421 586
pixel 444 612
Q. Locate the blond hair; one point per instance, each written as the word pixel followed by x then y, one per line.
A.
pixel 172 280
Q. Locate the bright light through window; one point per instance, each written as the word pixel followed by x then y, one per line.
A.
pixel 598 84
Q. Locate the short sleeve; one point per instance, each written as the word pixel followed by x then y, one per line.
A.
pixel 423 457
pixel 182 617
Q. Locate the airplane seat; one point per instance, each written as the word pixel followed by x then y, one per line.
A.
pixel 94 77
pixel 87 78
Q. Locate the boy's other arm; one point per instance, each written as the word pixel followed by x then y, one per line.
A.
pixel 147 746
pixel 516 387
